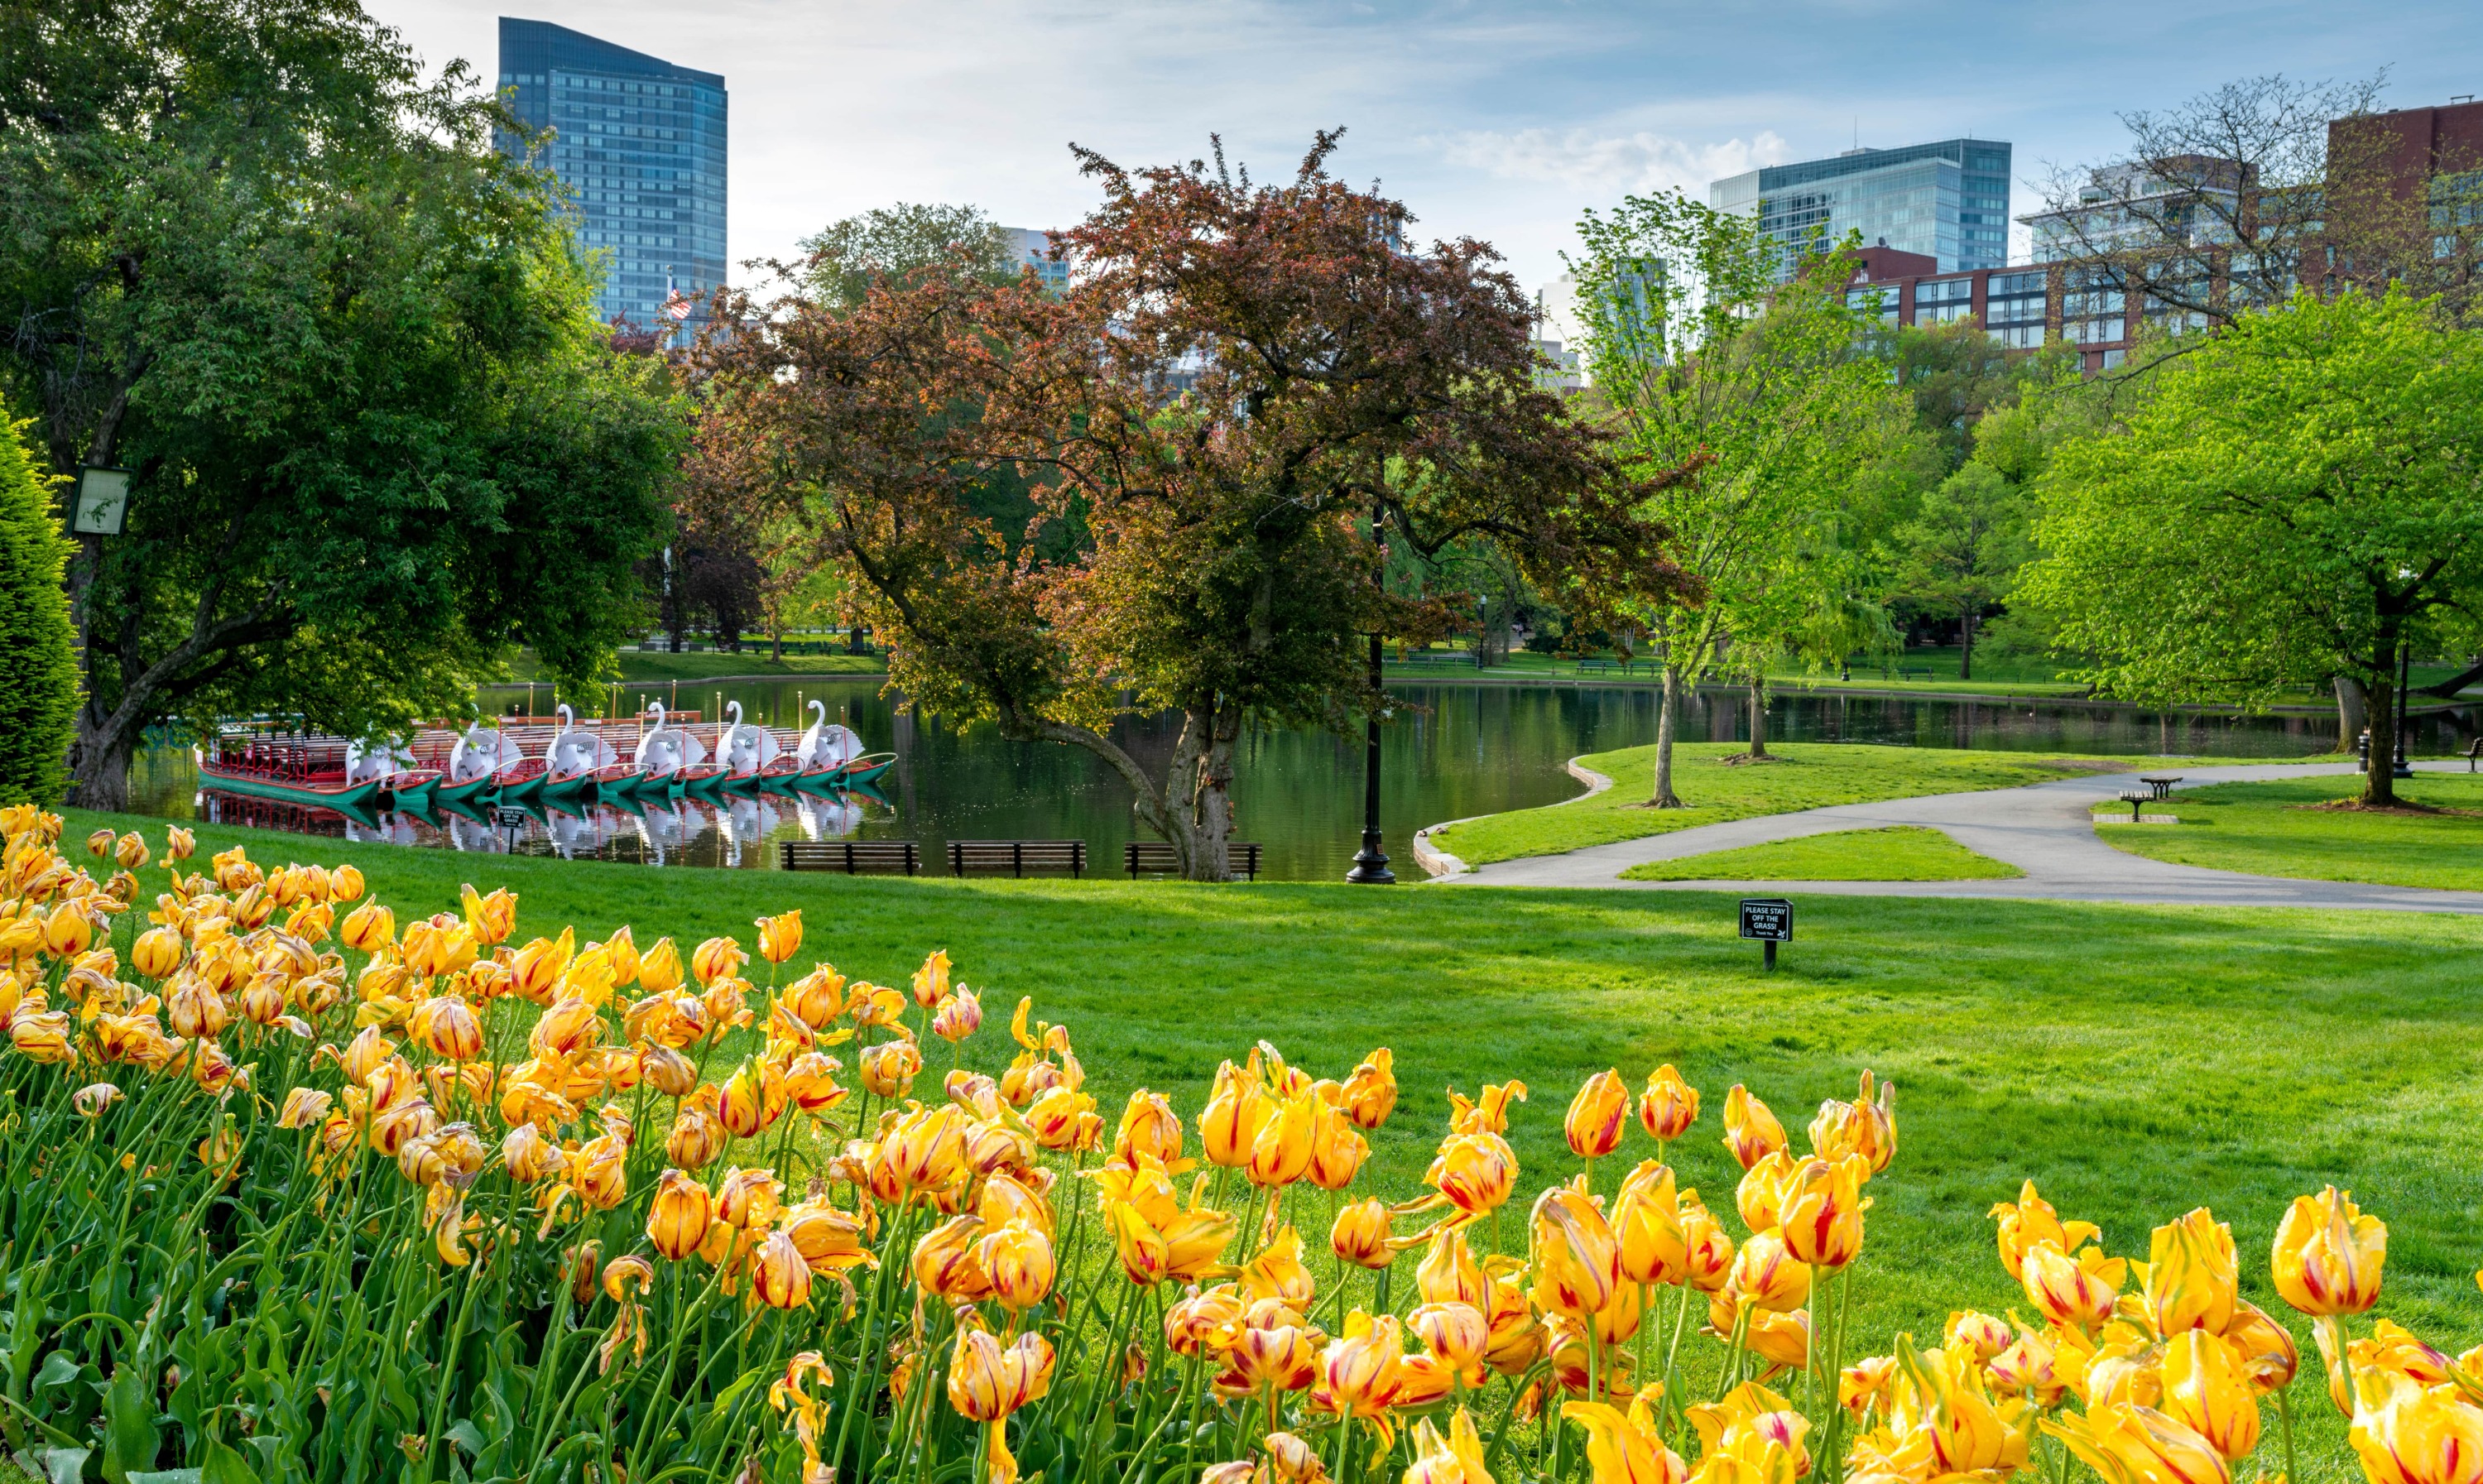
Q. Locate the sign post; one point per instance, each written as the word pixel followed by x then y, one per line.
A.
pixel 1770 920
pixel 511 821
pixel 103 501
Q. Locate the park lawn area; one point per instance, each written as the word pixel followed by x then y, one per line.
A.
pixel 640 666
pixel 2135 1062
pixel 1901 853
pixel 1809 775
pixel 2272 830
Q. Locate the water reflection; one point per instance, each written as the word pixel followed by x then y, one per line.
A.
pixel 1451 750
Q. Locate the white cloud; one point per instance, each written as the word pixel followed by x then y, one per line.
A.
pixel 1583 159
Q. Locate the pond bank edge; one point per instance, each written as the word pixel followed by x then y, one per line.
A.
pixel 1442 865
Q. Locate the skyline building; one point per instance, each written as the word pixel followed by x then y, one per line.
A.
pixel 1031 247
pixel 1946 200
pixel 640 143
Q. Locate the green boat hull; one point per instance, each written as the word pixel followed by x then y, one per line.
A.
pixel 358 796
pixel 472 791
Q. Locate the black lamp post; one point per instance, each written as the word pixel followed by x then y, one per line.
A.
pixel 1371 863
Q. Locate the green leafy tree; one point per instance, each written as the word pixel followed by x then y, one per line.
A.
pixel 1702 355
pixel 37 654
pixel 1968 537
pixel 377 437
pixel 2299 496
pixel 889 243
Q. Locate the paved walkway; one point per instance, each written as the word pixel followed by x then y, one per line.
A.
pixel 2044 830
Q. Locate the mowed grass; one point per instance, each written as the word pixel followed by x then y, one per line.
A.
pixel 1806 775
pixel 1901 853
pixel 2134 1062
pixel 2273 829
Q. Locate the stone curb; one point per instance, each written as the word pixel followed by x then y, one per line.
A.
pixel 1443 866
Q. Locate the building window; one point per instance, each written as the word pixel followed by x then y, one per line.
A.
pixel 2018 337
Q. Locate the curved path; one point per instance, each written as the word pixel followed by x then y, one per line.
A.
pixel 2044 830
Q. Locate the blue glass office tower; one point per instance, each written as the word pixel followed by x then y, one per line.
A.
pixel 1948 200
pixel 641 144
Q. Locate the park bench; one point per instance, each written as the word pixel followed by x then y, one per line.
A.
pixel 1438 657
pixel 1016 857
pixel 1156 858
pixel 854 858
pixel 1593 666
pixel 2162 787
pixel 2135 801
pixel 2474 751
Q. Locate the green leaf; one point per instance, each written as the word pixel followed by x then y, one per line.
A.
pixel 224 1466
pixel 130 1439
pixel 63 1466
pixel 59 1368
pixel 166 1476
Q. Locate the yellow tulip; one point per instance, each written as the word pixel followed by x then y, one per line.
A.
pixel 1475 1171
pixel 1822 1212
pixel 1062 1119
pixel 1984 1335
pixel 1668 1107
pixel 748 1198
pixel 1200 1322
pixel 988 1380
pixel 717 958
pixel 1490 1115
pixel 1710 1251
pixel 368 928
pixel 130 850
pixel 1360 1366
pixel 698 1138
pixel 780 936
pixel 1625 1447
pixel 304 1107
pixel 1756 1431
pixel 1750 1131
pixel 91 1099
pixel 1764 1275
pixel 1281 1154
pixel 2079 1292
pixel 1646 1222
pixel 1279 1273
pixel 2418 1435
pixel 196 1010
pixel 599 1171
pixel 959 1016
pixel 446 1026
pixel 2208 1389
pixel 181 844
pixel 1597 1116
pixel 659 968
pixel 1017 1258
pixel 157 952
pixel 889 1068
pixel 926 1149
pixel 1576 1258
pixel 2266 1347
pixel 67 930
pixel 1271 1358
pixel 529 1156
pixel 1338 1149
pixel 2126 1443
pixel 2031 1220
pixel 778 1275
pixel 491 919
pixel 1458 1458
pixel 829 1239
pixel 99 843
pixel 2192 1277
pixel 1370 1093
pixel 948 1260
pixel 1459 1334
pixel 2328 1255
pixel 1760 1195
pixel 42 1037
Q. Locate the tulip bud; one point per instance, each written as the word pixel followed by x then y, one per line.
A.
pixel 1371 1093
pixel 1475 1171
pixel 1455 1333
pixel 2078 1294
pixel 1986 1336
pixel 599 1171
pixel 717 958
pixel 1750 1131
pixel 698 1138
pixel 157 952
pixel 529 1156
pixel 678 1219
pixel 2192 1275
pixel 1646 1222
pixel 748 1198
pixel 778 1275
pixel 99 843
pixel 889 1068
pixel 446 1026
pixel 2327 1255
pixel 960 1015
pixel 1235 1110
pixel 659 968
pixel 1597 1116
pixel 130 850
pixel 1822 1212
pixel 1361 1234
pixel 1017 1259
pixel 1668 1107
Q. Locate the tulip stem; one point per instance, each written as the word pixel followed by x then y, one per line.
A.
pixel 2285 1423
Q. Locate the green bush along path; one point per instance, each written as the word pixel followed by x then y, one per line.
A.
pixel 1806 775
pixel 2134 1062
pixel 2275 829
pixel 1898 853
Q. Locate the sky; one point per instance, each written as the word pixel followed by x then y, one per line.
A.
pixel 1493 120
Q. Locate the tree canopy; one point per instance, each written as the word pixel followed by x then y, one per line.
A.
pixel 345 348
pixel 2298 497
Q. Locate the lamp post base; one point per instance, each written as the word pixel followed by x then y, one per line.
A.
pixel 1371 863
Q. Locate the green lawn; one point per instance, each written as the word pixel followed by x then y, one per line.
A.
pixel 1903 853
pixel 1811 774
pixel 2266 828
pixel 2136 1062
pixel 647 665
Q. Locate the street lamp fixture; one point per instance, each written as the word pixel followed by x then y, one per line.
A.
pixel 1371 863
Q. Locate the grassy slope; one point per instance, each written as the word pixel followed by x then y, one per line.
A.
pixel 1812 775
pixel 2136 1062
pixel 2264 828
pixel 1903 853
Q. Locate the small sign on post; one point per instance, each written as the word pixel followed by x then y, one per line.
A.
pixel 1770 920
pixel 511 821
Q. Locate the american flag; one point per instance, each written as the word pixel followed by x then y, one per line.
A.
pixel 676 306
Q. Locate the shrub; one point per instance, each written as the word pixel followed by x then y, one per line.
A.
pixel 37 649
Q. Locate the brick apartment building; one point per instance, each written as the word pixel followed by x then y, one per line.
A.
pixel 2415 151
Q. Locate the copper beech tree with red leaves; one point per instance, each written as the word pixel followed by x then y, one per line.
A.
pixel 1208 550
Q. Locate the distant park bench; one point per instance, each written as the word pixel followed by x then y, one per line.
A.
pixel 1438 657
pixel 1593 666
pixel 854 858
pixel 2163 786
pixel 1157 857
pixel 1016 857
pixel 2474 751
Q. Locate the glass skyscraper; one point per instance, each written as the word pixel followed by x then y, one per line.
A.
pixel 641 144
pixel 1948 200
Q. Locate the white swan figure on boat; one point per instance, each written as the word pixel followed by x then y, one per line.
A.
pixel 363 763
pixel 663 751
pixel 481 753
pixel 574 749
pixel 743 747
pixel 826 746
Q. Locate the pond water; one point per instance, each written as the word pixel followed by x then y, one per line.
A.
pixel 1451 750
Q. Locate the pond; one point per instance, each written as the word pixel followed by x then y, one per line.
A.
pixel 1453 750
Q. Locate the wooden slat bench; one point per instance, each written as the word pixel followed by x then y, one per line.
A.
pixel 1156 858
pixel 854 858
pixel 1017 857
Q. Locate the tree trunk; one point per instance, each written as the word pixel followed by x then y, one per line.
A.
pixel 2379 772
pixel 1212 814
pixel 2350 711
pixel 99 763
pixel 1758 712
pixel 1966 645
pixel 1664 798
